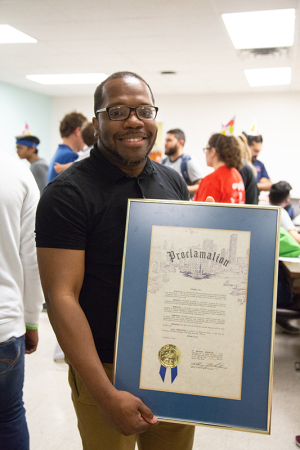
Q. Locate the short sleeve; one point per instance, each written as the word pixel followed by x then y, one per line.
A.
pixel 286 221
pixel 62 218
pixel 264 173
pixel 193 171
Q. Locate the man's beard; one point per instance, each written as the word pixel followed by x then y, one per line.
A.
pixel 171 151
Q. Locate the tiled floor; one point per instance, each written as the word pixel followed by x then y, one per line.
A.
pixel 52 422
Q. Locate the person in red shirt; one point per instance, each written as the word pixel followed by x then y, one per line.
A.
pixel 225 184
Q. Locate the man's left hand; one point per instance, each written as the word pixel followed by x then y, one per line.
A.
pixel 31 340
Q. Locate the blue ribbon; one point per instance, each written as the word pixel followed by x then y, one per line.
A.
pixel 173 373
pixel 162 373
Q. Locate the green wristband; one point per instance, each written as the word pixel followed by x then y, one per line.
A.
pixel 31 328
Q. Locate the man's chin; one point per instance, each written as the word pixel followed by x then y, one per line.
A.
pixel 130 162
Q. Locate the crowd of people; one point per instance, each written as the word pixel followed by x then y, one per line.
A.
pixel 80 217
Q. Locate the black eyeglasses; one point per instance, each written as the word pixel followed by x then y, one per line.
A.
pixel 206 149
pixel 123 112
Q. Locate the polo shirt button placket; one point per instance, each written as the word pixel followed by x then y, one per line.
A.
pixel 140 187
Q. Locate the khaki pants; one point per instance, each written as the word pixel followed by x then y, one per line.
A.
pixel 97 434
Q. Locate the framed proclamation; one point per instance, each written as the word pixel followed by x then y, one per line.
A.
pixel 196 318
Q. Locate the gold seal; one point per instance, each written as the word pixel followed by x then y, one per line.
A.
pixel 169 356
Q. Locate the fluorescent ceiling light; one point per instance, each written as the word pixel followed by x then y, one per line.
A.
pixel 269 77
pixel 261 29
pixel 72 78
pixel 10 35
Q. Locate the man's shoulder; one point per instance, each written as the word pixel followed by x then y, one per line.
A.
pixel 258 163
pixel 64 149
pixel 165 170
pixel 39 162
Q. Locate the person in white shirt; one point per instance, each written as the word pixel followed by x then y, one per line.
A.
pixel 280 196
pixel 21 295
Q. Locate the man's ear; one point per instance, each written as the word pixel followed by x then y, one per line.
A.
pixel 95 125
pixel 77 131
pixel 181 142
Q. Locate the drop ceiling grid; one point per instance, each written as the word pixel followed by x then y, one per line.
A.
pixel 147 37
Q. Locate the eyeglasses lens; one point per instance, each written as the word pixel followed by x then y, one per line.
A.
pixel 123 112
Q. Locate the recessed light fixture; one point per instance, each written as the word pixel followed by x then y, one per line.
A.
pixel 72 78
pixel 261 29
pixel 269 77
pixel 10 35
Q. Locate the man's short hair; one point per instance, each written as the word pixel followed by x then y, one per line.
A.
pixel 98 96
pixel 251 139
pixel 70 122
pixel 179 134
pixel 279 192
pixel 88 134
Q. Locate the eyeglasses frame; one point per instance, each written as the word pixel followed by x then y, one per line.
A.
pixel 131 108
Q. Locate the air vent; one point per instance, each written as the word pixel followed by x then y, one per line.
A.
pixel 264 53
pixel 168 72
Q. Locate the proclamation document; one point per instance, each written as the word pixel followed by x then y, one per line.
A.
pixel 195 315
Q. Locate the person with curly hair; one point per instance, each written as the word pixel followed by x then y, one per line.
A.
pixel 225 184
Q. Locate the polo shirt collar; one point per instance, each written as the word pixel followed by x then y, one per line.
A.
pixel 112 172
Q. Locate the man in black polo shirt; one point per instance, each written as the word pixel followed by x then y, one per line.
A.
pixel 80 233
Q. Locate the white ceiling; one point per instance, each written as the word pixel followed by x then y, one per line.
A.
pixel 143 36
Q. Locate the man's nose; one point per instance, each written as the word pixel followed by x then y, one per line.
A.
pixel 133 120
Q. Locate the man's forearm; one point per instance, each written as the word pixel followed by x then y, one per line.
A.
pixel 264 184
pixel 294 233
pixel 125 412
pixel 62 273
pixel 193 188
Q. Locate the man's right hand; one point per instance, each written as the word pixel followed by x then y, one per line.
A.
pixel 127 414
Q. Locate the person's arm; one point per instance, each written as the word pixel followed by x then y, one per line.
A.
pixel 32 294
pixel 194 188
pixel 31 340
pixel 62 273
pixel 264 184
pixel 61 167
pixel 195 176
pixel 295 235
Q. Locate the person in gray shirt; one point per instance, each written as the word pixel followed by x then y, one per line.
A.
pixel 183 164
pixel 27 149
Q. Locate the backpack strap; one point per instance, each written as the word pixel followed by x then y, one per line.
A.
pixel 183 168
pixel 164 161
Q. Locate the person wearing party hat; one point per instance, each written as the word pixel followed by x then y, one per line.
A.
pixel 255 142
pixel 223 153
pixel 26 145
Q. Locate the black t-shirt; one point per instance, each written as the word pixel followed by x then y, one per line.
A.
pixel 251 191
pixel 85 209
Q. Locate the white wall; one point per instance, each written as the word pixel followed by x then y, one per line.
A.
pixel 20 106
pixel 278 118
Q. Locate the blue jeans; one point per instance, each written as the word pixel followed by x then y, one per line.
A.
pixel 13 427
